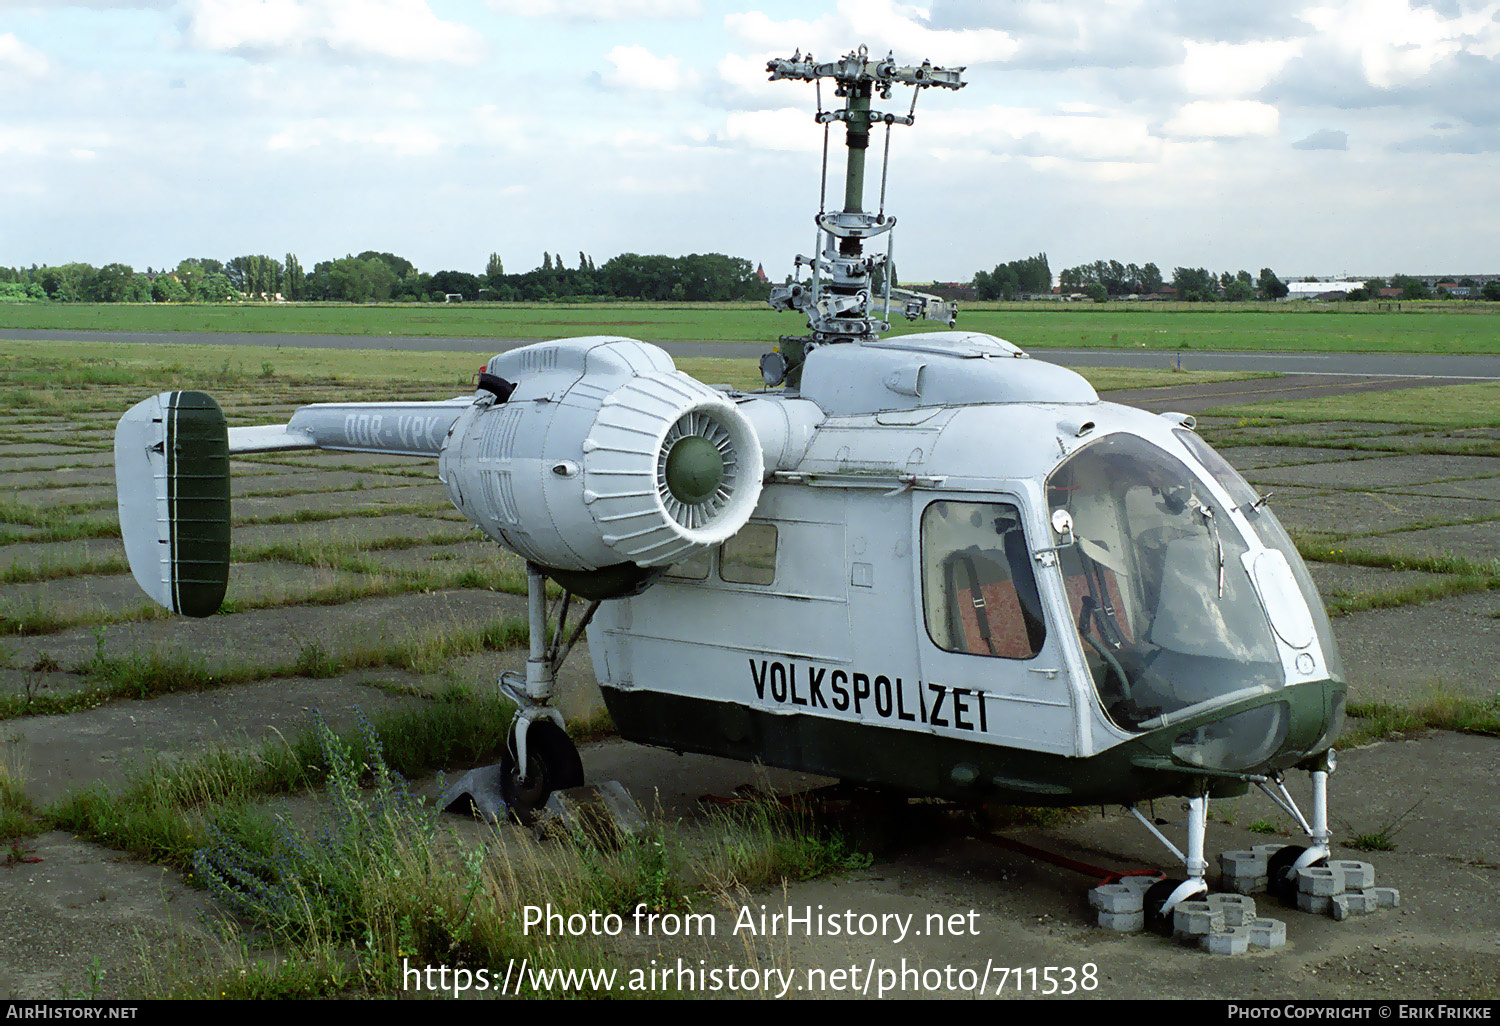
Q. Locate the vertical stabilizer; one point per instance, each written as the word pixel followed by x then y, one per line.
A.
pixel 172 480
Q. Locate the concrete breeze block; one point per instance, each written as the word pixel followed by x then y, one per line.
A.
pixel 1237 909
pixel 1196 919
pixel 1268 933
pixel 1319 880
pixel 1123 922
pixel 1351 903
pixel 1314 903
pixel 1357 875
pixel 1233 940
pixel 1116 899
pixel 1242 863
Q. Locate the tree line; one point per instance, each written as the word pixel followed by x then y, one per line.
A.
pixel 1109 279
pixel 386 277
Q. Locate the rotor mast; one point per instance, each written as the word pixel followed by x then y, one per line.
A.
pixel 838 298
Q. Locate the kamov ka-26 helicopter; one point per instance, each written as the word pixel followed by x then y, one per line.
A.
pixel 925 562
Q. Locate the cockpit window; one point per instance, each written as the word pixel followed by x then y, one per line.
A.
pixel 1272 535
pixel 1156 585
pixel 979 593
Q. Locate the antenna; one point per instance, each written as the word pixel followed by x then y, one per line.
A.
pixel 837 297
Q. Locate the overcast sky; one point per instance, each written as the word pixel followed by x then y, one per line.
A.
pixel 1350 135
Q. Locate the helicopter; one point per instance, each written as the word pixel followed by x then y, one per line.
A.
pixel 926 562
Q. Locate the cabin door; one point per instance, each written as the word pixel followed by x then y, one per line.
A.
pixel 992 666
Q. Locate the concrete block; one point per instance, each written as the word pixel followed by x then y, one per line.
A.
pixel 1351 903
pixel 1357 875
pixel 1319 880
pixel 1385 897
pixel 1123 922
pixel 1237 909
pixel 1232 940
pixel 1268 933
pixel 1116 899
pixel 1140 884
pixel 1242 863
pixel 1245 884
pixel 1317 904
pixel 1196 919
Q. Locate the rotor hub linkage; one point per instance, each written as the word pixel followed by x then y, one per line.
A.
pixel 838 299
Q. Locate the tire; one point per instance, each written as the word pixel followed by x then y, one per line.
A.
pixel 555 766
pixel 1279 880
pixel 1156 896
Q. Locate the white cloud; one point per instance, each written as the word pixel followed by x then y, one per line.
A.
pixel 16 56
pixel 882 25
pixel 635 67
pixel 1323 139
pixel 50 141
pixel 747 84
pixel 1227 119
pixel 1398 44
pixel 405 30
pixel 787 129
pixel 657 185
pixel 1227 70
pixel 1093 136
pixel 394 140
pixel 599 10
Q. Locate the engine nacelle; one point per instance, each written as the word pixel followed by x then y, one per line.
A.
pixel 603 453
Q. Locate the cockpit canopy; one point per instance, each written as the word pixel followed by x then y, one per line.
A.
pixel 1157 582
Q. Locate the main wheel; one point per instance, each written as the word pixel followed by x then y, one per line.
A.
pixel 1280 881
pixel 555 766
pixel 1155 897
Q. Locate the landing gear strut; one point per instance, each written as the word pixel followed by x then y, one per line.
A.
pixel 1161 899
pixel 1282 868
pixel 539 757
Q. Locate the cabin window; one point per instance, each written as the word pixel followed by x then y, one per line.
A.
pixel 750 556
pixel 979 594
pixel 694 568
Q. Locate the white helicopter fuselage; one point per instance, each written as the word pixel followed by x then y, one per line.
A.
pixel 844 615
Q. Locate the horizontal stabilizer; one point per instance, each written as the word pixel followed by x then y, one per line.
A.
pixel 172 481
pixel 396 429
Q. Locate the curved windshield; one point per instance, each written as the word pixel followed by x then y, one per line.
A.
pixel 1273 536
pixel 1156 585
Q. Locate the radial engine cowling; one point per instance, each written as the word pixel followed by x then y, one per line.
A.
pixel 603 454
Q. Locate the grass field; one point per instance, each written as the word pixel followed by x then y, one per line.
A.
pixel 52 368
pixel 344 565
pixel 1433 328
pixel 1453 406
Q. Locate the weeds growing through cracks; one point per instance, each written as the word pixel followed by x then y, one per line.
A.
pixel 375 886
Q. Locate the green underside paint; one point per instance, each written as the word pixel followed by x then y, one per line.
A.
pixel 619 581
pixel 962 770
pixel 197 451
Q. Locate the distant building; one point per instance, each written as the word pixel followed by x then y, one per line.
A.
pixel 1312 289
pixel 951 290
